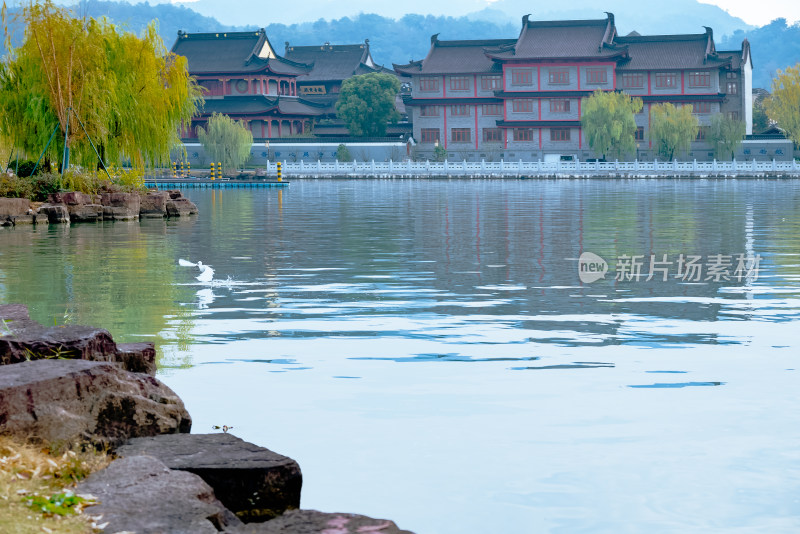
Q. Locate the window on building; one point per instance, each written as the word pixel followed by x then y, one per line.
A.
pixel 559 134
pixel 521 77
pixel 459 111
pixel 492 135
pixel 428 83
pixel 522 105
pixel 429 135
pixel 701 133
pixel 596 76
pixel 492 109
pixel 666 80
pixel 460 135
pixel 699 79
pixel 559 106
pixel 638 135
pixel 523 134
pixel 429 111
pixel 632 80
pixel 731 75
pixel 459 83
pixel 732 88
pixel 491 83
pixel 701 107
pixel 733 115
pixel 558 76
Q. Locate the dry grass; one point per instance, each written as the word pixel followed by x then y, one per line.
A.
pixel 27 471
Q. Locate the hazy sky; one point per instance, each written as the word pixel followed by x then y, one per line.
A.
pixel 756 13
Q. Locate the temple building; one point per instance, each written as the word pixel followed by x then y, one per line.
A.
pixel 244 78
pixel 521 98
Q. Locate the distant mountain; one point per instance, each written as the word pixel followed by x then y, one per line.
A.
pixel 774 46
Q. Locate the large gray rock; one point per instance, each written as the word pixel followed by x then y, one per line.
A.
pixel 70 198
pixel 121 206
pixel 14 207
pixel 314 522
pixel 251 481
pixel 180 207
pixel 22 339
pixel 140 494
pixel 85 212
pixel 63 402
pixel 154 204
pixel 55 213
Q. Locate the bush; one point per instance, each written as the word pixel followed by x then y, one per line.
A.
pixel 343 153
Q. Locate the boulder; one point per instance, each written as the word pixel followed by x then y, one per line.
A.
pixel 154 204
pixel 140 494
pixel 55 213
pixel 314 522
pixel 137 357
pixel 64 402
pixel 70 198
pixel 121 206
pixel 251 481
pixel 23 339
pixel 14 207
pixel 85 212
pixel 180 207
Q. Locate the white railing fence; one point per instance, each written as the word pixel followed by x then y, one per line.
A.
pixel 537 168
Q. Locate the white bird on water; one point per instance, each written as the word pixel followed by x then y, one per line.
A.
pixel 206 272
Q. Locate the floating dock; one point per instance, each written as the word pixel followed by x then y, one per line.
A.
pixel 173 183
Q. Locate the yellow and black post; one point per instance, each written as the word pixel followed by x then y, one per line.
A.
pixel 188 169
pixel 183 173
pixel 212 170
pixel 280 174
pixel 174 170
pixel 219 170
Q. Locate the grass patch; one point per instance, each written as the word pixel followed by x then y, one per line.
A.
pixel 37 489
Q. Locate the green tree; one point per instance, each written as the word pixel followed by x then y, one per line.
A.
pixel 226 141
pixel 343 153
pixel 726 135
pixel 366 103
pixel 608 122
pixel 672 129
pixel 783 106
pixel 129 93
pixel 760 120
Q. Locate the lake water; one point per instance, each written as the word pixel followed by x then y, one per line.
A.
pixel 427 352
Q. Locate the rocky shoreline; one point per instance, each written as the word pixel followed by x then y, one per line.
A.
pixel 81 207
pixel 74 387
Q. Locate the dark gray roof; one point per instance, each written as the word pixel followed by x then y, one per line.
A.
pixel 231 52
pixel 554 39
pixel 236 106
pixel 333 62
pixel 456 57
pixel 652 52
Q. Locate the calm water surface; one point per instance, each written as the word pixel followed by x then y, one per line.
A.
pixel 428 353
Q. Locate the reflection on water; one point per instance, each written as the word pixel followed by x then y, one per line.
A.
pixel 385 333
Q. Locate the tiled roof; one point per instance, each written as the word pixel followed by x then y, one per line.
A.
pixel 562 39
pixel 236 106
pixel 456 57
pixel 333 62
pixel 652 52
pixel 231 52
pixel 539 124
pixel 408 101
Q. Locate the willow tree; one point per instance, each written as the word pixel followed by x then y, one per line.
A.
pixel 82 76
pixel 672 129
pixel 608 122
pixel 783 106
pixel 726 134
pixel 226 141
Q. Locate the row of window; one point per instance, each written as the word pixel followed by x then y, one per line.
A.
pixel 630 80
pixel 491 135
pixel 520 105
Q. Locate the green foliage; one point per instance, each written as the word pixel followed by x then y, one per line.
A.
pixel 608 122
pixel 226 141
pixel 726 135
pixel 366 103
pixel 129 93
pixel 761 122
pixel 63 503
pixel 439 153
pixel 672 129
pixel 783 106
pixel 343 153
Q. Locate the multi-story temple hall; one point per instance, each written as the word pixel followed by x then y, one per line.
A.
pixel 521 98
